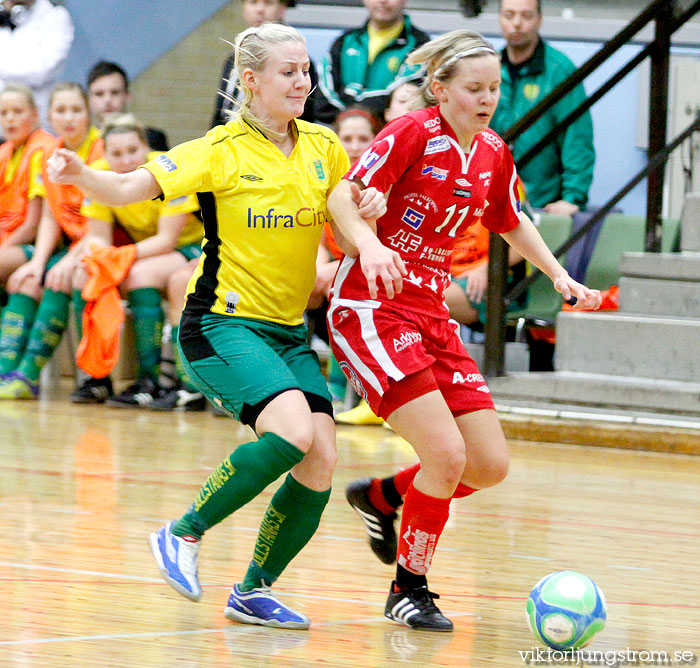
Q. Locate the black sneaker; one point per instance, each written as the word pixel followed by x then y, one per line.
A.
pixel 380 527
pixel 415 608
pixel 139 395
pixel 92 391
pixel 179 400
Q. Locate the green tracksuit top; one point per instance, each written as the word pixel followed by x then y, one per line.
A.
pixel 564 168
pixel 347 77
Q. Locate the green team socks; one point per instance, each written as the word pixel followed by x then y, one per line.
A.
pixel 238 479
pixel 179 366
pixel 78 309
pixel 290 521
pixel 49 324
pixel 147 312
pixel 17 319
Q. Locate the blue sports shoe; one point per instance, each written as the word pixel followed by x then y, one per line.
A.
pixel 177 560
pixel 260 606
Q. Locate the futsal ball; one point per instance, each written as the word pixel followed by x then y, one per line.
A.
pixel 566 610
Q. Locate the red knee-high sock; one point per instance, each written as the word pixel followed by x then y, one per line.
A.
pixel 462 491
pixel 404 478
pixel 422 522
pixel 387 494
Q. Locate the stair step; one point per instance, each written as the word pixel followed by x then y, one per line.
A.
pixel 669 266
pixel 599 391
pixel 618 344
pixel 654 297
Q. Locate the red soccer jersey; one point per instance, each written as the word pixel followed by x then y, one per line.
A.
pixel 436 190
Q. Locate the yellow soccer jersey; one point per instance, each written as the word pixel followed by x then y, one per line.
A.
pixel 35 188
pixel 83 151
pixel 140 219
pixel 263 216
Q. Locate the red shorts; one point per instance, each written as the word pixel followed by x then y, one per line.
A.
pixel 377 348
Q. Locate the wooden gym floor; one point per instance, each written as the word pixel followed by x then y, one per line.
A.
pixel 82 487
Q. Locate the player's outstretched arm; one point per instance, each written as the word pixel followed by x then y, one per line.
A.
pixel 527 241
pixel 108 188
pixel 354 214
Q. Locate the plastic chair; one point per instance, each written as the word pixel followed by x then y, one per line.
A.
pixel 621 233
pixel 544 302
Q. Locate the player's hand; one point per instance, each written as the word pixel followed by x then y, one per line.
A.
pixel 371 203
pixel 60 277
pixel 577 294
pixel 379 262
pixel 27 276
pixel 477 282
pixel 64 166
pixel 561 208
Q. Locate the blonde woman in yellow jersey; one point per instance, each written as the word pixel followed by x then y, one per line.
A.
pixel 262 181
pixel 166 236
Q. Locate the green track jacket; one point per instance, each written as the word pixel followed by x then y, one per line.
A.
pixel 564 168
pixel 346 78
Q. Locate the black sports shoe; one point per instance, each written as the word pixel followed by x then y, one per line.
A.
pixel 380 527
pixel 92 391
pixel 138 395
pixel 415 608
pixel 179 400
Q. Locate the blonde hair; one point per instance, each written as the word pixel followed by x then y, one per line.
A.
pixel 22 90
pixel 71 85
pixel 252 50
pixel 123 123
pixel 440 56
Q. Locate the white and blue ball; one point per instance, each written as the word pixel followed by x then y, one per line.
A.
pixel 566 610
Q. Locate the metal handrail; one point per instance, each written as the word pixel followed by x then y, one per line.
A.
pixel 604 210
pixel 595 61
pixel 659 49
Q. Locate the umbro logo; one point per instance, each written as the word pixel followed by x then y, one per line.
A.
pixel 251 177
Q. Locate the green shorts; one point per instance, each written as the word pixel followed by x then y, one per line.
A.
pixel 28 250
pixel 190 251
pixel 241 364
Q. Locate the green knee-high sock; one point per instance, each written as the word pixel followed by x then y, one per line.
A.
pixel 290 520
pixel 49 325
pixel 78 309
pixel 148 317
pixel 179 366
pixel 238 479
pixel 17 319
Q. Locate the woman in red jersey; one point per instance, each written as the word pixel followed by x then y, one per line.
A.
pixel 441 169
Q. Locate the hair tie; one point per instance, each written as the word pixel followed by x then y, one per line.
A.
pixel 462 54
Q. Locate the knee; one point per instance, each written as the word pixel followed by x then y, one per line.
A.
pixel 453 467
pixel 494 470
pixel 139 276
pixel 448 466
pixel 322 458
pixel 300 435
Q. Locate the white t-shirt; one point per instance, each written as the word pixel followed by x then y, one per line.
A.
pixel 35 52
